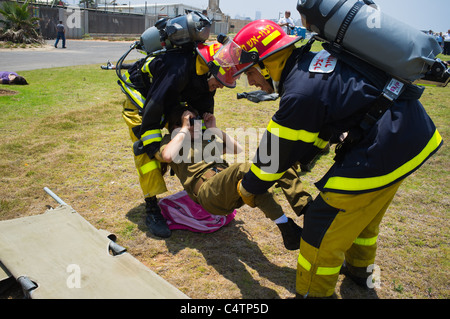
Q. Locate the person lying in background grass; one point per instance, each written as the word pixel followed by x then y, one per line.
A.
pixel 9 77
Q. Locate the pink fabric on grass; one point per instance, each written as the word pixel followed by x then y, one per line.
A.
pixel 181 212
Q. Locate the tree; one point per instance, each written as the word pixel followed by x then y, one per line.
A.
pixel 19 24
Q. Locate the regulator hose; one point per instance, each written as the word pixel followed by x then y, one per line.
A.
pixel 120 62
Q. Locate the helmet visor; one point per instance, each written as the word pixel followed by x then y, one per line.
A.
pixel 226 61
pixel 229 54
pixel 232 56
pixel 225 74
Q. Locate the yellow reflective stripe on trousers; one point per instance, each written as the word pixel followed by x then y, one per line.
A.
pixel 132 93
pixel 303 262
pixel 291 134
pixel 150 166
pixel 357 184
pixel 151 137
pixel 323 271
pixel 366 241
pixel 264 176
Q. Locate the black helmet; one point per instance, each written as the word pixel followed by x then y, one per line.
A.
pixel 192 27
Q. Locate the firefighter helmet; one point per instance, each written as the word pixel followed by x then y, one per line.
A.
pixel 255 42
pixel 192 27
pixel 206 63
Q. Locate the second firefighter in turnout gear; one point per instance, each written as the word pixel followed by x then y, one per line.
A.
pixel 159 84
pixel 321 99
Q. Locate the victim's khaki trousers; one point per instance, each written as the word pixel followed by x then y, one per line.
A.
pixel 219 196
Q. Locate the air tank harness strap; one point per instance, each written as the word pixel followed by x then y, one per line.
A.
pixel 391 92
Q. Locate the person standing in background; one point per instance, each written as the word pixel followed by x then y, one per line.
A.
pixel 61 34
pixel 286 23
pixel 440 39
pixel 447 43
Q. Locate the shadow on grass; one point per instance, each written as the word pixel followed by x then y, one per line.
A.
pixel 349 290
pixel 231 253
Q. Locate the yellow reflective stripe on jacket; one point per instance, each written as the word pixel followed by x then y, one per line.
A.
pixel 146 67
pixel 264 176
pixel 150 166
pixel 366 241
pixel 291 134
pixel 132 93
pixel 357 184
pixel 323 271
pixel 320 143
pixel 151 136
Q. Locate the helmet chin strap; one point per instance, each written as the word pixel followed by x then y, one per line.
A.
pixel 275 85
pixel 263 70
pixel 265 73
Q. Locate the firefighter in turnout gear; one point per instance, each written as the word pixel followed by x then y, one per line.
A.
pixel 159 83
pixel 323 99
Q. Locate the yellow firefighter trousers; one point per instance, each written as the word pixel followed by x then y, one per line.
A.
pixel 337 227
pixel 149 170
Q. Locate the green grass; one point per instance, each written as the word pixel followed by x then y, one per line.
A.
pixel 65 131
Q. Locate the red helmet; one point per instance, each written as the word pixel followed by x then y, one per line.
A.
pixel 223 74
pixel 254 43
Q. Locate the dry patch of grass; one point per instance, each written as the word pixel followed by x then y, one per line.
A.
pixel 4 92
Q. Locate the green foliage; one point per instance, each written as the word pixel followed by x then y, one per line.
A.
pixel 19 23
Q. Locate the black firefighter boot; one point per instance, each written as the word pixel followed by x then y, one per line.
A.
pixel 359 275
pixel 291 234
pixel 154 220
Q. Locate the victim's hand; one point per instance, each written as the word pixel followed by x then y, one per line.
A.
pixel 187 115
pixel 209 119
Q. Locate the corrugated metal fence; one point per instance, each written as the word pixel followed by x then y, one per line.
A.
pixel 79 21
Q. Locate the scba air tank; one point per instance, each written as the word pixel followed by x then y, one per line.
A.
pixel 150 40
pixel 192 27
pixel 361 28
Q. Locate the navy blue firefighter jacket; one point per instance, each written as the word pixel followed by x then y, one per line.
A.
pixel 314 108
